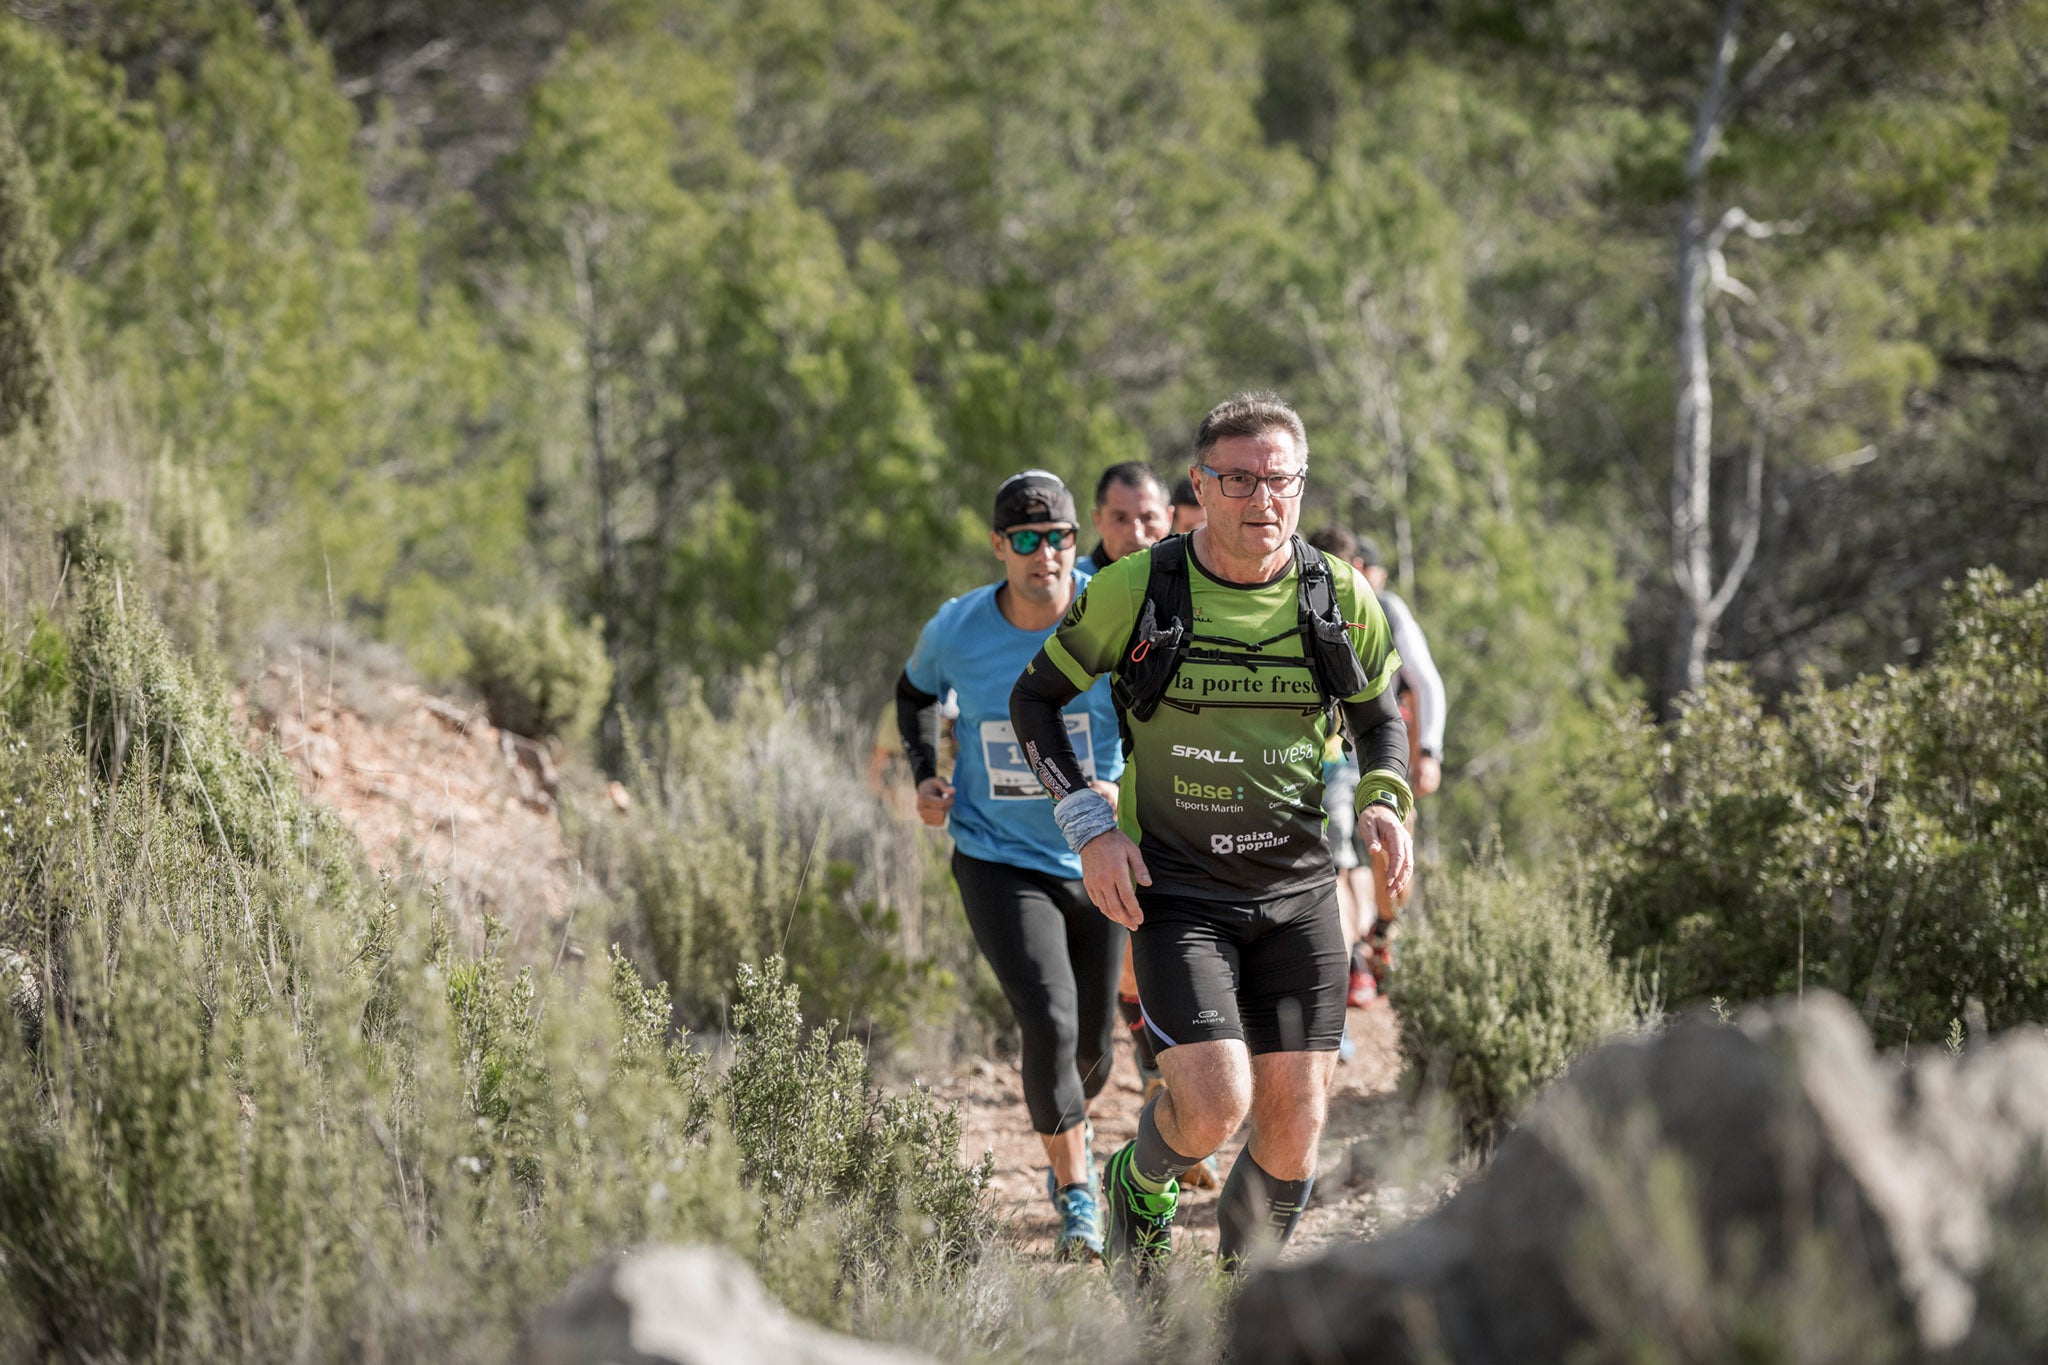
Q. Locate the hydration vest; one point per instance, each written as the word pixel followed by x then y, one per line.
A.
pixel 1164 636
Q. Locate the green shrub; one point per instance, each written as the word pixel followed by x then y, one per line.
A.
pixel 751 838
pixel 539 674
pixel 274 1112
pixel 1887 839
pixel 34 672
pixel 1500 987
pixel 813 1133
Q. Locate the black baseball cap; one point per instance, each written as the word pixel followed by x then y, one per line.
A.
pixel 1034 495
pixel 1368 552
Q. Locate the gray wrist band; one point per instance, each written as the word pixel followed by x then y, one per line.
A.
pixel 1082 815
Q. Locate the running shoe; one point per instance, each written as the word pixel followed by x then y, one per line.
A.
pixel 1380 962
pixel 1347 1050
pixel 1080 1234
pixel 1363 990
pixel 1139 1223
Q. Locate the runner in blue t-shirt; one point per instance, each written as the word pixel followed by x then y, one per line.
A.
pixel 1055 954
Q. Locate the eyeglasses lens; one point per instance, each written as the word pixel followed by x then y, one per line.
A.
pixel 1237 485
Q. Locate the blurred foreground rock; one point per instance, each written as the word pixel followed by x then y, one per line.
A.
pixel 684 1306
pixel 1708 1189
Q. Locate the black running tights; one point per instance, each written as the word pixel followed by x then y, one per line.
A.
pixel 1058 959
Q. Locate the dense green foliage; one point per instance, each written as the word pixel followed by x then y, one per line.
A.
pixel 718 321
pixel 25 323
pixel 538 674
pixel 259 1106
pixel 1887 839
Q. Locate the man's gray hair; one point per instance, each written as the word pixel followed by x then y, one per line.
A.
pixel 1253 413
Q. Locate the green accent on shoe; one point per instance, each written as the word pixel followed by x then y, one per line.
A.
pixel 1140 1222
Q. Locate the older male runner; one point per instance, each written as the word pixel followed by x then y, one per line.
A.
pixel 1228 662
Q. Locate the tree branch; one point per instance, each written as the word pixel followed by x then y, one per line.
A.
pixel 1751 521
pixel 1761 72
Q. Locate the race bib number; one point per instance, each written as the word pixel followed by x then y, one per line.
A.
pixel 1009 777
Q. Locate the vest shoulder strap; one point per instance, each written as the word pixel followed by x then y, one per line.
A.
pixel 1159 639
pixel 1326 635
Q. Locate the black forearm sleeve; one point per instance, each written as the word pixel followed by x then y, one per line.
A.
pixel 1035 704
pixel 1381 735
pixel 917 721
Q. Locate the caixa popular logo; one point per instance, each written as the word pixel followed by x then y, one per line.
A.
pixel 1250 842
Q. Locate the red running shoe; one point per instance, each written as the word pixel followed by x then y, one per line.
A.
pixel 1381 962
pixel 1364 992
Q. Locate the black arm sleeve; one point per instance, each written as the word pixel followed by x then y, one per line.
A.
pixel 1035 704
pixel 1381 735
pixel 917 721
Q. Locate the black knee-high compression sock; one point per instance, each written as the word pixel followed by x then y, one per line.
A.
pixel 1154 1164
pixel 1256 1207
pixel 1141 1033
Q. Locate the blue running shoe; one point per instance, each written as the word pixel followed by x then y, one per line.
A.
pixel 1139 1223
pixel 1080 1234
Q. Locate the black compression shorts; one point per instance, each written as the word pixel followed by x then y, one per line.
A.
pixel 1272 972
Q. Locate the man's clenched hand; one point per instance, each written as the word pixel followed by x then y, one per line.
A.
pixel 934 800
pixel 1388 834
pixel 1110 864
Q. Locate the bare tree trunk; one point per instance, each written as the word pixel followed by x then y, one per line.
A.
pixel 610 568
pixel 1692 485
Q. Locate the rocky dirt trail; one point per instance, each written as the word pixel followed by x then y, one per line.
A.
pixel 1354 1197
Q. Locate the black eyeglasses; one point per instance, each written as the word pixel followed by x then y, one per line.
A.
pixel 1027 542
pixel 1240 485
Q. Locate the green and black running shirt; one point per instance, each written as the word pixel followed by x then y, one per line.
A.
pixel 1223 790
